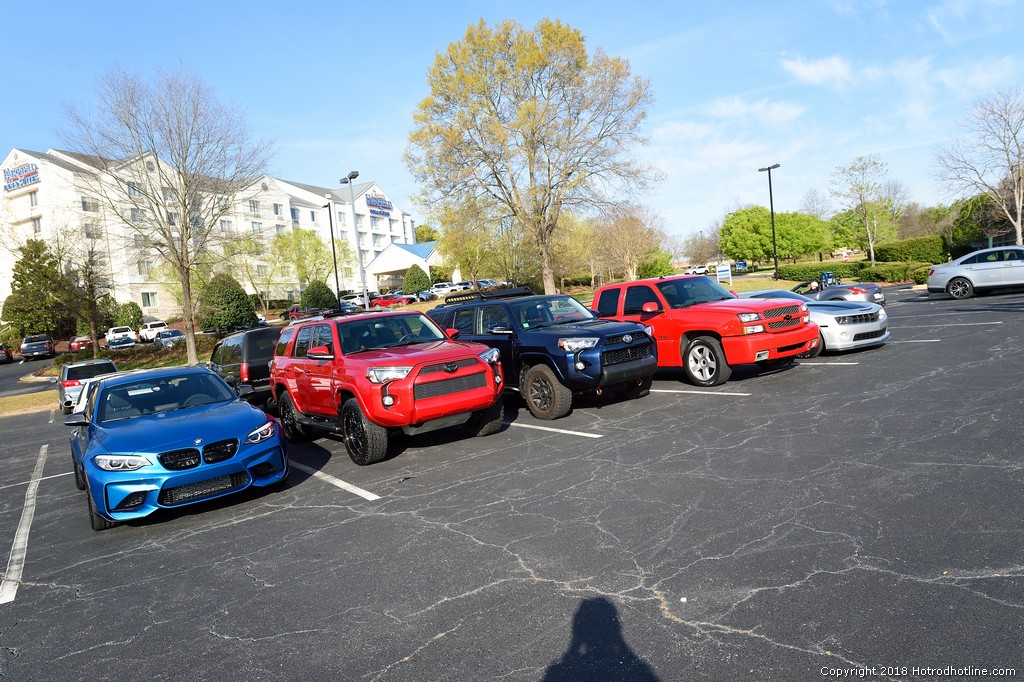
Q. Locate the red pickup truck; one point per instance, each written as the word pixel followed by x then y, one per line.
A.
pixel 704 328
pixel 369 375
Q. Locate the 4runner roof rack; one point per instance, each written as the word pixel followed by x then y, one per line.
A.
pixel 486 295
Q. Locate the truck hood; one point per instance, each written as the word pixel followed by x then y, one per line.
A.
pixel 735 306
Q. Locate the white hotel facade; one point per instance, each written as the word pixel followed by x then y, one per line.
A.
pixel 48 195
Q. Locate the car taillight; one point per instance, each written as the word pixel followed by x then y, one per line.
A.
pixel 858 290
pixel 243 372
pixel 68 383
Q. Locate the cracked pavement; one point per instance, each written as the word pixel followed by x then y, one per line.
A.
pixel 838 516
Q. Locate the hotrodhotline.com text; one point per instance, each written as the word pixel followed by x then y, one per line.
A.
pixel 950 671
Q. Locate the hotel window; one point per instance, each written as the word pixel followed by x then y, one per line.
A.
pixel 254 206
pixel 168 193
pixel 392 224
pixel 262 271
pixel 33 198
pixel 225 227
pixel 257 228
pixel 149 299
pixel 359 221
pixel 343 235
pixel 172 219
pixel 92 231
pixel 133 189
pixel 139 239
pixel 341 219
pixel 281 229
pixel 37 226
pixel 278 209
pixel 91 205
pixel 374 222
pixel 138 215
pixel 145 267
pixel 295 214
pixel 312 217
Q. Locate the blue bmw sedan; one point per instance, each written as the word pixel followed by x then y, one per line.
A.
pixel 165 438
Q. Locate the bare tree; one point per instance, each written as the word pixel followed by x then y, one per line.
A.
pixel 703 246
pixel 629 235
pixel 817 204
pixel 170 163
pixel 529 120
pixel 989 158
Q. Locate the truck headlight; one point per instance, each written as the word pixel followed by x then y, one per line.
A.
pixel 749 317
pixel 121 462
pixel 573 344
pixel 491 356
pixel 380 375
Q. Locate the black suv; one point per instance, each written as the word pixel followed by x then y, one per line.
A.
pixel 244 358
pixel 552 346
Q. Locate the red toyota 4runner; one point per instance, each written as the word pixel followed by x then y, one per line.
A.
pixel 368 375
pixel 704 328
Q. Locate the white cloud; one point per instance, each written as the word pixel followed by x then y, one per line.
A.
pixel 761 111
pixel 831 71
pixel 981 76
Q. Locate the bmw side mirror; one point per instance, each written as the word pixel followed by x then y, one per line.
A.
pixel 76 419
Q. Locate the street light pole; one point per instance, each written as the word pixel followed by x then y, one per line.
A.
pixel 334 254
pixel 347 180
pixel 771 205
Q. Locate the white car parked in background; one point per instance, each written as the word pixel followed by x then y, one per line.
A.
pixel 983 270
pixel 119 333
pixel 697 270
pixel 148 331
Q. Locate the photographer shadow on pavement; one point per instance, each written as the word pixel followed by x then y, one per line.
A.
pixel 597 650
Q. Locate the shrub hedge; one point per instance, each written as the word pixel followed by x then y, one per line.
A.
pixel 929 249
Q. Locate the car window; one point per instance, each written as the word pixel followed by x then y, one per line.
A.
pixel 1013 254
pixel 492 316
pixel 636 296
pixel 231 351
pixel 282 342
pixel 608 302
pixel 322 337
pixel 161 394
pixel 90 371
pixel 302 342
pixel 464 320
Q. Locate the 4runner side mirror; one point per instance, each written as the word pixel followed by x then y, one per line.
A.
pixel 320 353
pixel 498 329
pixel 452 333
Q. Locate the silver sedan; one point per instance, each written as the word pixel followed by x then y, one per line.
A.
pixel 842 325
pixel 869 292
pixel 982 270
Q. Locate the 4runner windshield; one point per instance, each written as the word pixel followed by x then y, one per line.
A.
pixel 544 312
pixel 682 293
pixel 387 331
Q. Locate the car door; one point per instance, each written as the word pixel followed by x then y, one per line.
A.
pixel 985 269
pixel 632 311
pixel 319 372
pixel 1013 266
pixel 491 326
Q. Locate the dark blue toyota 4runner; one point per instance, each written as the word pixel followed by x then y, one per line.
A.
pixel 552 346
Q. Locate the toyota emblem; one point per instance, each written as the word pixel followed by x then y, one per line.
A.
pixel 451 367
pixel 628 338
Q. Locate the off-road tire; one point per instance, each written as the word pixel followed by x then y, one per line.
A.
pixel 486 422
pixel 366 442
pixel 545 396
pixel 290 426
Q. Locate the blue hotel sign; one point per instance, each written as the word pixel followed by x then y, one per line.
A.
pixel 379 206
pixel 22 176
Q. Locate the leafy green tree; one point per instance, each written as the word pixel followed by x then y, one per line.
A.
pixel 528 120
pixel 415 280
pixel 440 273
pixel 306 253
pixel 318 295
pixel 657 264
pixel 129 315
pixel 225 305
pixel 860 187
pixel 746 234
pixel 426 233
pixel 39 291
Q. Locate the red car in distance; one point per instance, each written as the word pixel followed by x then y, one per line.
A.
pixel 394 300
pixel 80 343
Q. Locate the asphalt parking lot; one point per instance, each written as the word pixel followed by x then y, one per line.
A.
pixel 853 515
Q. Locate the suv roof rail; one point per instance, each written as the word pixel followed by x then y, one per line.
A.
pixel 487 295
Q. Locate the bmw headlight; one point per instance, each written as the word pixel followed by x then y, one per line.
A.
pixel 261 434
pixel 749 317
pixel 381 375
pixel 121 462
pixel 573 344
pixel 491 356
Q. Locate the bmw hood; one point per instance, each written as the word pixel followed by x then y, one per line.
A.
pixel 155 433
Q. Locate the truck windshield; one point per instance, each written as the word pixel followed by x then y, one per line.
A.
pixel 682 293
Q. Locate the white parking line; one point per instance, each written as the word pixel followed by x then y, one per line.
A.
pixel 827 364
pixel 52 412
pixel 337 482
pixel 951 324
pixel 16 562
pixel 44 478
pixel 565 431
pixel 917 341
pixel 665 390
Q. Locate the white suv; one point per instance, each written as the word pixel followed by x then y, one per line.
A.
pixel 148 331
pixel 119 333
pixel 442 288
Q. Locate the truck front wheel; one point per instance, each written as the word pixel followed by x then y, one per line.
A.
pixel 488 421
pixel 545 396
pixel 290 426
pixel 366 442
pixel 704 362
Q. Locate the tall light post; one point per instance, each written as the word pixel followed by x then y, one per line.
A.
pixel 347 180
pixel 334 254
pixel 771 207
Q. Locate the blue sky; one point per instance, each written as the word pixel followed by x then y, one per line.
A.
pixel 737 85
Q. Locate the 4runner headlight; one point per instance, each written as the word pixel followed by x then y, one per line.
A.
pixel 381 375
pixel 573 344
pixel 261 434
pixel 491 356
pixel 121 462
